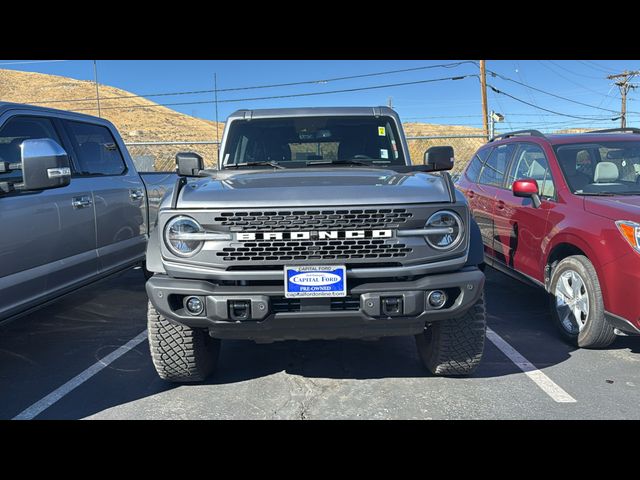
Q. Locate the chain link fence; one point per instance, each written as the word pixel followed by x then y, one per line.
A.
pixel 161 156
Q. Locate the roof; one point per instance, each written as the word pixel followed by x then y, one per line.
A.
pixel 313 112
pixel 566 138
pixel 4 106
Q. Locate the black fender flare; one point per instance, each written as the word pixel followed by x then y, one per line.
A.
pixel 476 248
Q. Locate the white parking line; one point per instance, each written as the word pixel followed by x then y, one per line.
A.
pixel 545 383
pixel 44 403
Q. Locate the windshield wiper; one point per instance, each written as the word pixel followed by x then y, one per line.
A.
pixel 341 162
pixel 254 164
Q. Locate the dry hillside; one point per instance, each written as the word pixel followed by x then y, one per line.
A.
pixel 145 120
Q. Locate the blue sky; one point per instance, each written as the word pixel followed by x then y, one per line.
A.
pixel 445 102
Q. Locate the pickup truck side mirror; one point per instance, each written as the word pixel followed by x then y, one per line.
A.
pixel 439 158
pixel 45 164
pixel 527 188
pixel 189 164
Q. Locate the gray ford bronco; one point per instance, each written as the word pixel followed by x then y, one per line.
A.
pixel 315 225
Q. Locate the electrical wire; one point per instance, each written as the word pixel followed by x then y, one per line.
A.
pixel 295 95
pixel 503 77
pixel 32 61
pixel 536 106
pixel 255 87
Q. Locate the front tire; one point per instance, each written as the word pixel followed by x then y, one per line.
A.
pixel 455 346
pixel 180 353
pixel 576 304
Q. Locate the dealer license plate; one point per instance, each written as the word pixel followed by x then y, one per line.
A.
pixel 319 281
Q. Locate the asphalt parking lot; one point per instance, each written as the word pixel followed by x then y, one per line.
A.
pixel 67 361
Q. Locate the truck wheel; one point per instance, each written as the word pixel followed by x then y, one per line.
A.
pixel 454 346
pixel 576 304
pixel 180 353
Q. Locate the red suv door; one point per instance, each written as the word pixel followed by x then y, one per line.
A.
pixel 519 226
pixel 490 182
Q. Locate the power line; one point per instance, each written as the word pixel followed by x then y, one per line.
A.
pixel 536 106
pixel 503 77
pixel 596 66
pixel 582 75
pixel 357 89
pixel 575 83
pixel 32 61
pixel 256 87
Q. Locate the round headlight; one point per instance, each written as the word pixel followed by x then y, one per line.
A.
pixel 448 230
pixel 177 235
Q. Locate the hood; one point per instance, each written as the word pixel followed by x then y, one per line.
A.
pixel 324 186
pixel 615 208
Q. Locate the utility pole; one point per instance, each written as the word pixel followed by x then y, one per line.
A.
pixel 483 91
pixel 623 84
pixel 95 76
pixel 215 89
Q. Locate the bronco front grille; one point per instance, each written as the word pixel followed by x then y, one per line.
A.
pixel 313 250
pixel 335 219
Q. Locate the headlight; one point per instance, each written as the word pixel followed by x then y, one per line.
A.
pixel 179 236
pixel 447 230
pixel 630 232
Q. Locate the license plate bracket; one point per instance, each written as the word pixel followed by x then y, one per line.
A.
pixel 315 281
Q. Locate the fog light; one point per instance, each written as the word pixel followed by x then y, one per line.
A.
pixel 194 305
pixel 437 299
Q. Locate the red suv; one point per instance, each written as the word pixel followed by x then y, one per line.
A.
pixel 563 212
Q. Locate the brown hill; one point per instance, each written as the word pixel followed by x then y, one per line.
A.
pixel 146 121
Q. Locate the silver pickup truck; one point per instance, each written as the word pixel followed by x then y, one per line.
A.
pixel 73 208
pixel 315 225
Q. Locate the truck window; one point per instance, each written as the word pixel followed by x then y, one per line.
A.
pixel 16 131
pixel 97 150
pixel 304 139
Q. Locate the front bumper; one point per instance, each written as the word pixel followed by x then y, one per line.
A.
pixel 620 280
pixel 361 315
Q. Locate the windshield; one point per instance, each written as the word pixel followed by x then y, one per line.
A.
pixel 302 141
pixel 602 168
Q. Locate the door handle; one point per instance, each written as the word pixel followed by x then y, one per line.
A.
pixel 136 194
pixel 501 205
pixel 81 202
pixel 470 193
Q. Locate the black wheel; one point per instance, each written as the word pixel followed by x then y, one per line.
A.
pixel 180 353
pixel 576 304
pixel 454 346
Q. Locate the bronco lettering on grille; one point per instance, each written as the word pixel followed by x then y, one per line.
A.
pixel 315 235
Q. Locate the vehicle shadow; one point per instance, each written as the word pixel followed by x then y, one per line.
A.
pixel 46 349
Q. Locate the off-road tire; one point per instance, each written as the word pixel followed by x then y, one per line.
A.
pixel 597 333
pixel 454 347
pixel 180 354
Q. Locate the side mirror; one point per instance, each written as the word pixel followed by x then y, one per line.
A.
pixel 527 188
pixel 439 158
pixel 45 165
pixel 189 164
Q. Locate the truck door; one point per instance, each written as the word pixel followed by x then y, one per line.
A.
pixel 520 227
pixel 118 193
pixel 48 237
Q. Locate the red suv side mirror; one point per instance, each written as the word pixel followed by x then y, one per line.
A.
pixel 527 188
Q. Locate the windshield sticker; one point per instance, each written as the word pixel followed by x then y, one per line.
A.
pixel 384 153
pixel 382 131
